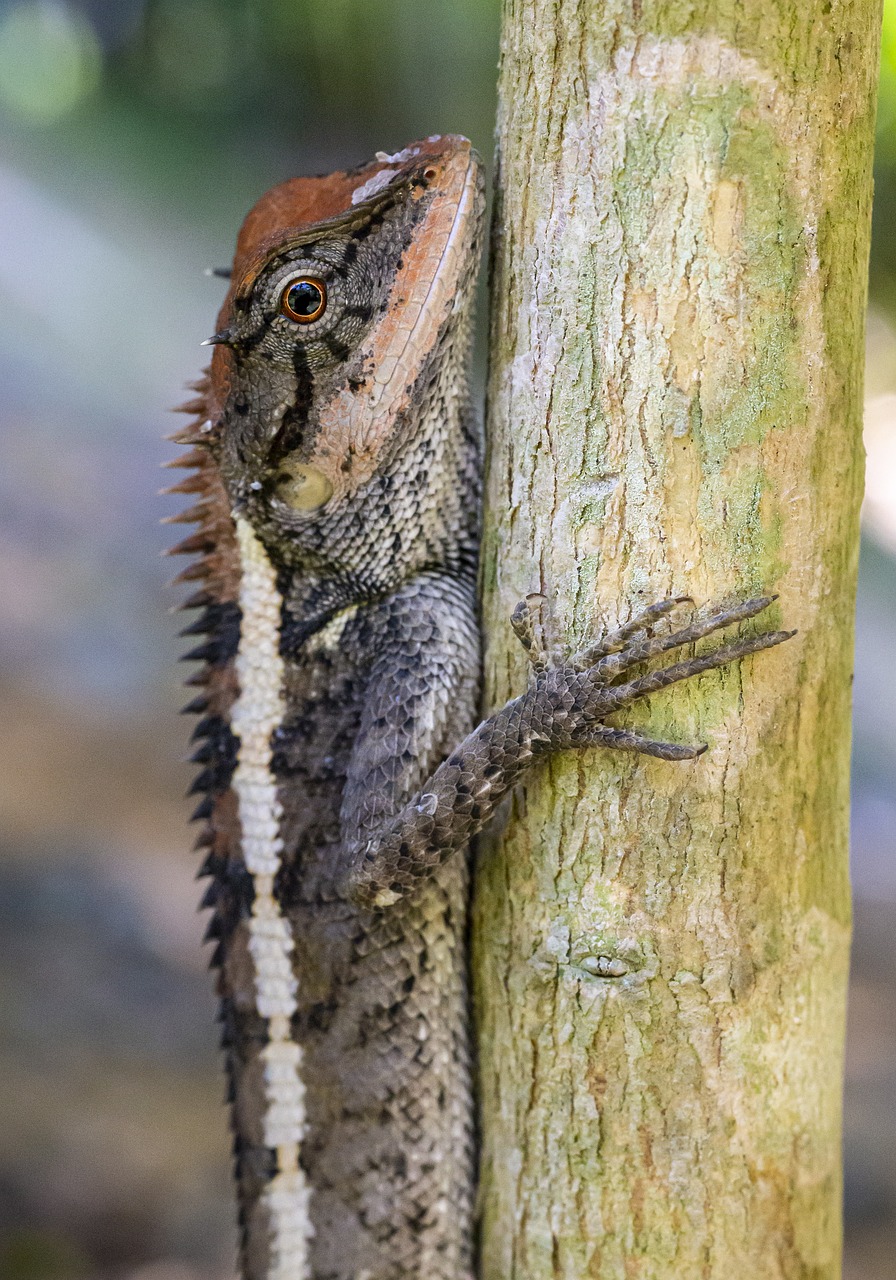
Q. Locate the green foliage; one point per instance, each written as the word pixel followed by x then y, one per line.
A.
pixel 40 1255
pixel 319 65
pixel 886 109
pixel 883 243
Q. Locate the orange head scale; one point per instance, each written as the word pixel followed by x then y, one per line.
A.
pixel 335 375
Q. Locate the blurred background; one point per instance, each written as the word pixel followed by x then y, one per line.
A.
pixel 134 138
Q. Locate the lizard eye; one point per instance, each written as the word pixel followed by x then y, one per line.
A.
pixel 304 300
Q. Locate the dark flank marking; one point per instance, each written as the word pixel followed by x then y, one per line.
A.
pixel 320 602
pixel 320 1015
pixel 362 310
pixel 286 761
pixel 338 350
pixel 221 623
pixel 296 632
pixel 218 753
pixel 249 341
pixel 291 433
pixel 362 232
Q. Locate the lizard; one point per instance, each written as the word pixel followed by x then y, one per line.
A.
pixel 334 455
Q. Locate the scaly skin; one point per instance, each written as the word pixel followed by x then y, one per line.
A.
pixel 337 471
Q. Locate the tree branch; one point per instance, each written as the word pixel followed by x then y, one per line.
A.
pixel 661 948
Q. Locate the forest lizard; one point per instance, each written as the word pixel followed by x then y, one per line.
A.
pixel 335 458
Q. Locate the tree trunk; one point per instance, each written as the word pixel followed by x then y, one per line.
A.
pixel 661 949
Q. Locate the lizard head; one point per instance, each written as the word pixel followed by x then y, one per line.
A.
pixel 337 376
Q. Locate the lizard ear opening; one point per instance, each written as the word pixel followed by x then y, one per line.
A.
pixel 303 488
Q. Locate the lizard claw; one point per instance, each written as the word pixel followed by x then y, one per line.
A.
pixel 610 697
pixel 528 621
pixel 607 683
pixel 641 624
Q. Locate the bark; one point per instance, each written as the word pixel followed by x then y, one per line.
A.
pixel 661 950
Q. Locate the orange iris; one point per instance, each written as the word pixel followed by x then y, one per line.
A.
pixel 304 300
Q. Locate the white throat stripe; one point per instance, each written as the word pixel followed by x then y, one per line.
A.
pixel 258 711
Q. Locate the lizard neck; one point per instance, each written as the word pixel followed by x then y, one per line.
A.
pixel 419 511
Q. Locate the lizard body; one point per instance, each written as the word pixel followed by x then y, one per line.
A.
pixel 336 465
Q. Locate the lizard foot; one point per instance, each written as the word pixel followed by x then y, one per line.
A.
pixel 600 679
pixel 567 705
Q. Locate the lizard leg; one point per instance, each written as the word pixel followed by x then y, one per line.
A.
pixel 563 708
pixel 419 700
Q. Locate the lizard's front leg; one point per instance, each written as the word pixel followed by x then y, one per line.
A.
pixel 565 707
pixel 382 1011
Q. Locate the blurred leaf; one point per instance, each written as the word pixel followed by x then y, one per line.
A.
pixel 200 55
pixel 886 109
pixel 50 59
pixel 883 242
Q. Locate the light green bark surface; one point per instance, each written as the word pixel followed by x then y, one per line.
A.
pixel 675 398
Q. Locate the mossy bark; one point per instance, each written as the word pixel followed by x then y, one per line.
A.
pixel 680 257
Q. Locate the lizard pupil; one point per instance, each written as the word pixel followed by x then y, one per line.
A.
pixel 304 300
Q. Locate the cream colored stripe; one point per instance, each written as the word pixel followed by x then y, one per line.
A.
pixel 427 284
pixel 257 712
